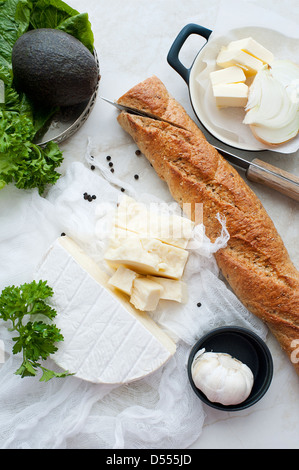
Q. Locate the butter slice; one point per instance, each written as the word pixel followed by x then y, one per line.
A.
pixel 231 95
pixel 233 74
pixel 175 290
pixel 251 46
pixel 123 279
pixel 145 255
pixel 145 294
pixel 168 228
pixel 228 57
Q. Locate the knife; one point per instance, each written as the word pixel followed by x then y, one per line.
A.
pixel 256 170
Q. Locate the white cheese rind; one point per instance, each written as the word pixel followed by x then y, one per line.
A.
pixel 105 339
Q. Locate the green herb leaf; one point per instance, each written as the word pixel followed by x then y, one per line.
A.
pixel 36 339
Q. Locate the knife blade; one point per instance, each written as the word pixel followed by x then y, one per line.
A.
pixel 137 112
pixel 256 170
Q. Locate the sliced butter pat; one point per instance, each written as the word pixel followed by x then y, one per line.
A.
pixel 145 255
pixel 123 279
pixel 145 294
pixel 231 95
pixel 229 57
pixel 175 290
pixel 106 340
pixel 251 46
pixel 233 74
pixel 168 228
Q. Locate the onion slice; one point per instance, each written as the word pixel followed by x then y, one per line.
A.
pixel 272 110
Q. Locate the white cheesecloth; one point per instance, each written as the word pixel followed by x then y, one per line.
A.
pixel 159 411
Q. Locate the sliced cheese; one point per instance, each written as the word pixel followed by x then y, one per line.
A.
pixel 233 74
pixel 254 48
pixel 146 294
pixel 106 340
pixel 172 289
pixel 145 255
pixel 150 223
pixel 231 95
pixel 229 57
pixel 123 279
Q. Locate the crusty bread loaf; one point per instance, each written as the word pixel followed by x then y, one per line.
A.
pixel 255 262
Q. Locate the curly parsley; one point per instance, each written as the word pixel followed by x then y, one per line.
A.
pixel 36 339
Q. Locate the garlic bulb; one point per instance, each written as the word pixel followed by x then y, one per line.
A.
pixel 222 378
pixel 272 110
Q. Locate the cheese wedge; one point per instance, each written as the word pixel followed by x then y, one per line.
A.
pixel 106 340
pixel 123 279
pixel 145 255
pixel 172 289
pixel 146 294
pixel 168 228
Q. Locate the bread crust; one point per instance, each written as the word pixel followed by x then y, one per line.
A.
pixel 255 261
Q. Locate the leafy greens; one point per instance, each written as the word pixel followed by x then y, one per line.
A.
pixel 21 161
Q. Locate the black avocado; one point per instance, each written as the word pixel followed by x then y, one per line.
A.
pixel 53 68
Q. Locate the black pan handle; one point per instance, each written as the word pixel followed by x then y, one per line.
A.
pixel 173 54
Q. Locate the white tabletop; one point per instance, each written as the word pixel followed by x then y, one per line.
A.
pixel 132 40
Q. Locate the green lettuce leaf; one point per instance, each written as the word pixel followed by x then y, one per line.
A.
pixel 21 161
pixel 14 21
pixel 57 14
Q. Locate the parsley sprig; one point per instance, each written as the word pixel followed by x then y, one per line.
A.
pixel 37 339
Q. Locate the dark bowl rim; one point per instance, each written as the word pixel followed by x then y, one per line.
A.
pixel 251 400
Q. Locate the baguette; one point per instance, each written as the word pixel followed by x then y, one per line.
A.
pixel 255 261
